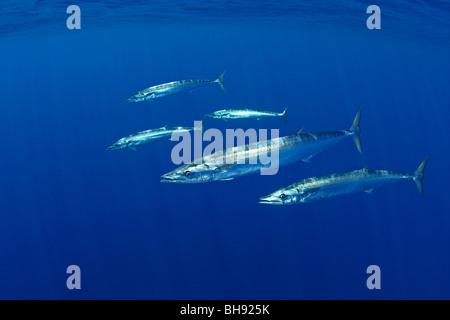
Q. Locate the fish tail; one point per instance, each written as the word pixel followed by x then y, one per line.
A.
pixel 220 81
pixel 419 176
pixel 355 130
pixel 284 114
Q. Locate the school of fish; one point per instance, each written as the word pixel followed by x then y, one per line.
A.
pixel 301 146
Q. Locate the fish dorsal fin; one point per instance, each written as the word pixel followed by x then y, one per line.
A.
pixel 300 132
pixel 365 169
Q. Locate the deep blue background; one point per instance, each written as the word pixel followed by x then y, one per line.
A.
pixel 66 200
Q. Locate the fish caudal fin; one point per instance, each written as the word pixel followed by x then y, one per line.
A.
pixel 356 131
pixel 284 115
pixel 419 176
pixel 220 81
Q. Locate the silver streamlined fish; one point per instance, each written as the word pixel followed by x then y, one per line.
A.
pixel 174 87
pixel 341 183
pixel 147 136
pixel 234 114
pixel 301 146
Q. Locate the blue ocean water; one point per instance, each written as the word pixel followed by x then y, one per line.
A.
pixel 67 201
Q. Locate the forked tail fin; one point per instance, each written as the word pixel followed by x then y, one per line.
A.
pixel 284 114
pixel 419 176
pixel 356 131
pixel 220 81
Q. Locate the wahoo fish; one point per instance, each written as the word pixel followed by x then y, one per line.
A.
pixel 301 146
pixel 341 183
pixel 232 114
pixel 174 87
pixel 147 136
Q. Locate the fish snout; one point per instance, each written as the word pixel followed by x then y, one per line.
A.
pixel 270 200
pixel 167 178
pixel 135 98
pixel 111 147
pixel 115 146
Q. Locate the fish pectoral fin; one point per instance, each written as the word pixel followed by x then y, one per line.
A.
pixel 308 160
pixel 224 167
pixel 308 193
pixel 312 190
pixel 129 146
pixel 370 191
pixel 226 179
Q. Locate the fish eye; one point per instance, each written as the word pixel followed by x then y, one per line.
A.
pixel 282 196
pixel 187 173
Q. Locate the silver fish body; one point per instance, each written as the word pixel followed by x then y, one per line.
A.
pixel 328 186
pixel 147 136
pixel 171 88
pixel 234 114
pixel 301 146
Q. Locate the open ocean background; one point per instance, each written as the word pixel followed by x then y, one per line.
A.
pixel 65 200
